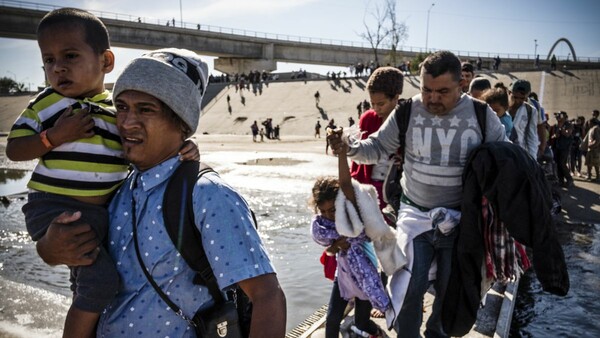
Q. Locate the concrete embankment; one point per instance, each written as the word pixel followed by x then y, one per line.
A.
pixel 291 104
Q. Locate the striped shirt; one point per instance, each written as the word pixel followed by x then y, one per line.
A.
pixel 86 167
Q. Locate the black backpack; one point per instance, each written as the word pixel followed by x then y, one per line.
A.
pixel 178 214
pixel 392 191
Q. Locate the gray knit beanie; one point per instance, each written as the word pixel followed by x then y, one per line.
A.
pixel 177 77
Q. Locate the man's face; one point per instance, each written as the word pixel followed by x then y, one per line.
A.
pixel 72 67
pixel 466 80
pixel 516 99
pixel 149 135
pixel 439 94
pixel 382 105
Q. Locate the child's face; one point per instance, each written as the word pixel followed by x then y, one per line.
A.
pixel 327 209
pixel 497 107
pixel 72 67
pixel 382 105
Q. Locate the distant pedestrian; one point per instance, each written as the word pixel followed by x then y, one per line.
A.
pixel 173 22
pixel 537 61
pixel 330 128
pixel 350 121
pixel 262 135
pixel 318 129
pixel 228 100
pixel 479 63
pixel 553 62
pixel 254 128
pixel 591 144
pixel 276 132
pixel 317 98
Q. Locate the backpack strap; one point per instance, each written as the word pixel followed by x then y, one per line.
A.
pixel 402 114
pixel 529 109
pixel 178 214
pixel 481 114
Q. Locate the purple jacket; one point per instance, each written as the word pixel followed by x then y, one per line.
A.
pixel 357 274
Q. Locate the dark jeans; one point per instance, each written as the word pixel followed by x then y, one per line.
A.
pixel 575 159
pixel 335 314
pixel 428 246
pixel 562 171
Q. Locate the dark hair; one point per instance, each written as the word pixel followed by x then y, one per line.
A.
pixel 467 67
pixel 95 32
pixel 480 83
pixel 386 80
pixel 442 62
pixel 500 85
pixel 534 96
pixel 496 95
pixel 324 189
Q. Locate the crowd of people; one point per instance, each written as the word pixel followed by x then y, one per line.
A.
pixel 510 126
pixel 267 130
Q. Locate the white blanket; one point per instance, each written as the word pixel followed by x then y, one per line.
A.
pixel 348 223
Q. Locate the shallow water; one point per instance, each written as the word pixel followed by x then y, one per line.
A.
pixel 278 194
pixel 540 314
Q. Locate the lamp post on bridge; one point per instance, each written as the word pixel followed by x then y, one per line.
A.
pixel 180 14
pixel 427 31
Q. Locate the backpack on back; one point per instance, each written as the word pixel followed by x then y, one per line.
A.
pixel 178 214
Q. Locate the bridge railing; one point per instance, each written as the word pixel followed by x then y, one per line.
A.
pixel 281 37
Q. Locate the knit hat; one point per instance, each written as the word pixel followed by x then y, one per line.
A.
pixel 522 86
pixel 177 77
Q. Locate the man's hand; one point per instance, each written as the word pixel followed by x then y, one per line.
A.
pixel 336 142
pixel 69 244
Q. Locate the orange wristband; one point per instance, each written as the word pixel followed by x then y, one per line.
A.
pixel 45 140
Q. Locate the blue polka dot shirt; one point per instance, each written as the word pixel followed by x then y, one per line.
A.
pixel 233 247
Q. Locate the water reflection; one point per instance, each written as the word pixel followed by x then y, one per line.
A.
pixel 13 181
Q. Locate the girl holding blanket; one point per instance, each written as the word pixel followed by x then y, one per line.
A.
pixel 347 220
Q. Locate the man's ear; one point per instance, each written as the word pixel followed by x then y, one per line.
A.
pixel 108 60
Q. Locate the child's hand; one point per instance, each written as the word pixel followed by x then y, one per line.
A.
pixel 340 244
pixel 189 151
pixel 334 136
pixel 72 126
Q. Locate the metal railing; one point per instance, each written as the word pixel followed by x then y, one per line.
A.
pixel 280 37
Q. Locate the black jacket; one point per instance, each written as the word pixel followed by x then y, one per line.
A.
pixel 516 186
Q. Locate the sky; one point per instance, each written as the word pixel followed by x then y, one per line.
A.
pixel 494 27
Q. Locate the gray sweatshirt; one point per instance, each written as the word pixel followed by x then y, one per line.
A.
pixel 437 148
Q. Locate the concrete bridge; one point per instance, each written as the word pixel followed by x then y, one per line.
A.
pixel 239 52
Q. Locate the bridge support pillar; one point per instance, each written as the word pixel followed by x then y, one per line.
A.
pixel 240 65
